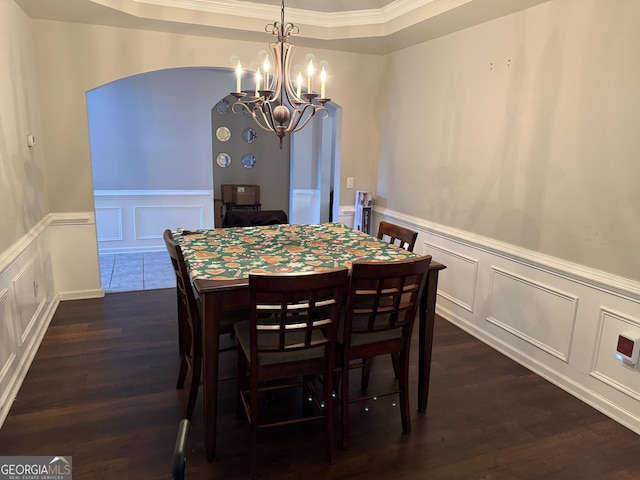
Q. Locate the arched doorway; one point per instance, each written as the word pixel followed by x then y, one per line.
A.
pixel 152 153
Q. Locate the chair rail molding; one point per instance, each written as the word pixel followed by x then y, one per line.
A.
pixel 550 315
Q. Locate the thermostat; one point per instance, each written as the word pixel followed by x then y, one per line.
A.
pixel 628 348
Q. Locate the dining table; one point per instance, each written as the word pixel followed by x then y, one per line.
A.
pixel 220 261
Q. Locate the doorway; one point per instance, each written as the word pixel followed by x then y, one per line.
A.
pixel 151 140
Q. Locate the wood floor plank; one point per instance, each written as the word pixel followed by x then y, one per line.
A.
pixel 102 389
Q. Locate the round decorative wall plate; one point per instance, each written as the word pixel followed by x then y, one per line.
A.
pixel 223 107
pixel 223 160
pixel 249 135
pixel 223 134
pixel 248 161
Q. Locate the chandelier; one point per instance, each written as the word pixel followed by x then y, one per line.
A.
pixel 274 104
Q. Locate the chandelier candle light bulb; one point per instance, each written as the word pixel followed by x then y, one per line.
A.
pixel 238 76
pixel 310 77
pixel 258 76
pixel 323 81
pixel 265 67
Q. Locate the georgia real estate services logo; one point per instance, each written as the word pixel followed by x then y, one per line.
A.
pixel 35 468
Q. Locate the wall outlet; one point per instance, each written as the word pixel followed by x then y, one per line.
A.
pixel 349 182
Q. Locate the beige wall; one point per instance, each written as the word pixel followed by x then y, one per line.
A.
pixel 23 195
pixel 74 58
pixel 524 130
pixel 521 129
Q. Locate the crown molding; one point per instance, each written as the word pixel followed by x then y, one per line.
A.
pixel 351 18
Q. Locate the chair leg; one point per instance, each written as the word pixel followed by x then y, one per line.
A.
pixel 344 404
pixel 253 428
pixel 307 406
pixel 196 373
pixel 403 370
pixel 394 362
pixel 241 382
pixel 327 395
pixel 182 374
pixel 184 345
pixel 366 371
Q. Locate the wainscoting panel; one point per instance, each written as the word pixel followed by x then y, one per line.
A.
pixel 109 224
pixel 27 304
pixel 30 292
pixel 539 314
pixel 559 319
pixel 458 285
pixel 130 221
pixel 148 221
pixel 8 346
pixel 606 367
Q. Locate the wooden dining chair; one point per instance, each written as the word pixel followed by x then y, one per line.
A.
pixel 190 325
pixel 381 307
pixel 401 237
pixel 290 336
pixel 397 235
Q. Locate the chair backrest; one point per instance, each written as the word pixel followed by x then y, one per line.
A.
pixel 183 286
pixel 397 235
pixel 383 299
pixel 251 218
pixel 295 312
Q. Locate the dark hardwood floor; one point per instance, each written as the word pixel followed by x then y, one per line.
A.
pixel 101 389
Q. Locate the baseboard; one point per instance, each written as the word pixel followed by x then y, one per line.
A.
pixel 82 294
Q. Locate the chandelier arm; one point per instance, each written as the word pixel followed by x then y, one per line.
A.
pixel 279 74
pixel 252 112
pixel 242 105
pixel 297 127
pixel 292 97
pixel 267 122
pixel 267 113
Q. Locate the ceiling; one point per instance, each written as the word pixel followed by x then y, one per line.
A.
pixel 364 26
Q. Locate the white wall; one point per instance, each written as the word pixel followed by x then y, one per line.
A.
pixel 153 131
pixel 23 190
pixel 512 148
pixel 523 129
pixel 27 294
pixel 74 58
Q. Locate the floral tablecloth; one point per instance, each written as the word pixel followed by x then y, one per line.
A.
pixel 233 253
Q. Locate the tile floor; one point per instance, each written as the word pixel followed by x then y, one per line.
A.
pixel 126 272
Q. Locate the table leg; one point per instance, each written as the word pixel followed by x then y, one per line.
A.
pixel 210 315
pixel 427 313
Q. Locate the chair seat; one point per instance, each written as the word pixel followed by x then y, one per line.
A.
pixel 265 338
pixel 366 338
